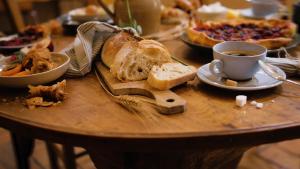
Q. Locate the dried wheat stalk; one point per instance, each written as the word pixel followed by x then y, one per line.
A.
pixel 130 102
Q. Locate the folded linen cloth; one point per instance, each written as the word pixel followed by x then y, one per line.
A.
pixel 290 65
pixel 87 44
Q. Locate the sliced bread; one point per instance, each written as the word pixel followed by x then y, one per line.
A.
pixel 135 59
pixel 169 75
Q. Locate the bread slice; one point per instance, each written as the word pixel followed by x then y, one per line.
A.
pixel 169 75
pixel 135 60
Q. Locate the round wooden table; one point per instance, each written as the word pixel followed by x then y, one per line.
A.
pixel 212 133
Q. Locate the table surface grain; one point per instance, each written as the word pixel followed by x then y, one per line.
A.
pixel 89 112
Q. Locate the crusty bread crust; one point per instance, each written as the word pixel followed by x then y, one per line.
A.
pixel 135 59
pixel 203 39
pixel 113 44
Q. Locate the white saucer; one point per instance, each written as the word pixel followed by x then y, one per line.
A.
pixel 248 13
pixel 260 80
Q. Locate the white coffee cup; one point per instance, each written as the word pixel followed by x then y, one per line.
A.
pixel 263 8
pixel 236 67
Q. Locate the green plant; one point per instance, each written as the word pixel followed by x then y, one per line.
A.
pixel 132 22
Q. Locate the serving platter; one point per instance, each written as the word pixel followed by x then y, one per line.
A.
pixel 184 38
pixel 167 101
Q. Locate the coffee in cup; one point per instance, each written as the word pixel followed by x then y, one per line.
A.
pixel 236 60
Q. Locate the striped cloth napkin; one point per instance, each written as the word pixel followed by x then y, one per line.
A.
pixel 87 44
pixel 289 64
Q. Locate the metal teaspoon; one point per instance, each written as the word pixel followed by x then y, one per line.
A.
pixel 271 72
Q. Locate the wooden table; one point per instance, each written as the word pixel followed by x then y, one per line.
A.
pixel 212 134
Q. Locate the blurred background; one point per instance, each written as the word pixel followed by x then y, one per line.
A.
pixel 15 14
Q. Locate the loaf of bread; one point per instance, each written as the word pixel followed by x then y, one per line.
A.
pixel 135 59
pixel 113 44
pixel 169 75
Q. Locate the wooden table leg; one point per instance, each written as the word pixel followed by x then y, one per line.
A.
pixel 23 147
pixel 216 159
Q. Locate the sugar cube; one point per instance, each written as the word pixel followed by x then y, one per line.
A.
pixel 229 82
pixel 259 105
pixel 253 103
pixel 241 100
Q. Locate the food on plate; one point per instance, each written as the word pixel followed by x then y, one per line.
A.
pixel 10 72
pixel 88 13
pixel 113 45
pixel 188 5
pixel 35 61
pixel 269 33
pixel 38 60
pixel 23 73
pixel 44 43
pixel 29 35
pixel 173 15
pixel 169 75
pixel 135 59
pixel 46 96
pixel 91 10
pixel 241 100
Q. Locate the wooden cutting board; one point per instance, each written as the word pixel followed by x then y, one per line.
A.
pixel 168 101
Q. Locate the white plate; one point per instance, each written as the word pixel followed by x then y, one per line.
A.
pixel 248 13
pixel 260 80
pixel 39 78
pixel 13 47
pixel 80 15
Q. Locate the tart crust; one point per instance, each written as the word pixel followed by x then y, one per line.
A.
pixel 287 30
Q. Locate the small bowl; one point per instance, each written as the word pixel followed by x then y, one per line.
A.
pixel 39 78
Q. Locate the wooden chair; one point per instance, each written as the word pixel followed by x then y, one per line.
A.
pixel 15 14
pixel 67 153
pixel 23 148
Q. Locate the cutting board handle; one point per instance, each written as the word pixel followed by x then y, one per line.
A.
pixel 166 100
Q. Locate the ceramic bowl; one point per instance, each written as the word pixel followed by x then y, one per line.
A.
pixel 62 61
